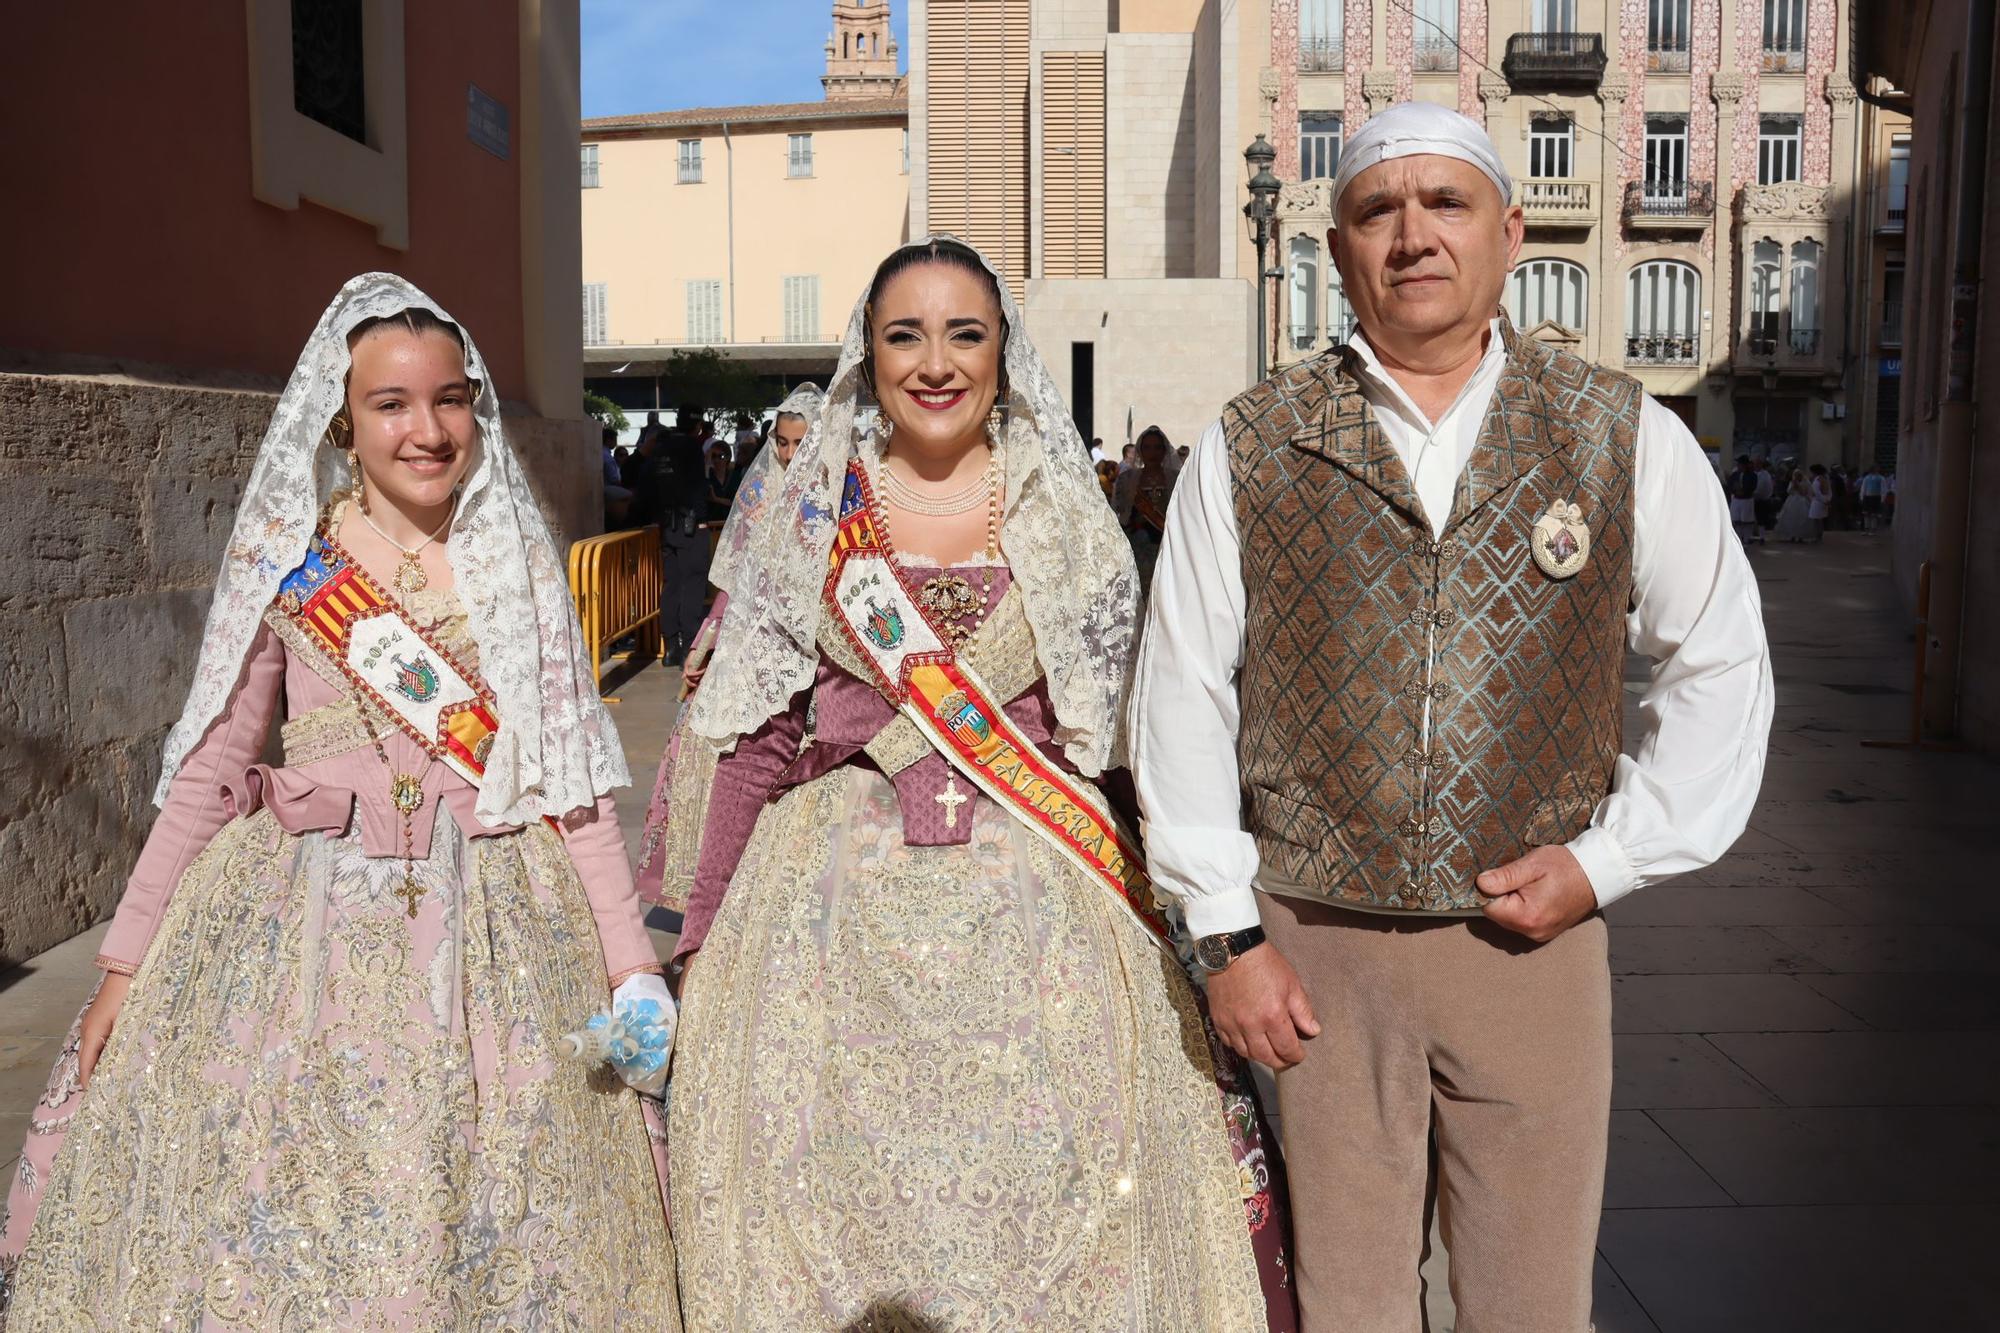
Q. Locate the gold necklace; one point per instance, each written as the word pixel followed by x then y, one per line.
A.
pixel 409 576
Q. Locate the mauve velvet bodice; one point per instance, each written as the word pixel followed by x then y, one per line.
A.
pixel 847 713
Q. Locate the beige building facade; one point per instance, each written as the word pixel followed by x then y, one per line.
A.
pixel 747 229
pixel 1094 152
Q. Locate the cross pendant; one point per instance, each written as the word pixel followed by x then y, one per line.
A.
pixel 411 891
pixel 951 798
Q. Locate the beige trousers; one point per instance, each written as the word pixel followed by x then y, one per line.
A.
pixel 1502 1046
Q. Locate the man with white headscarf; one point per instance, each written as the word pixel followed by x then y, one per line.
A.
pixel 1388 626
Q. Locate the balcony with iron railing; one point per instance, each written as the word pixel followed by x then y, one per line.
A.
pixel 1669 205
pixel 1322 55
pixel 1557 203
pixel 1662 349
pixel 1435 53
pixel 1788 59
pixel 1773 343
pixel 1554 59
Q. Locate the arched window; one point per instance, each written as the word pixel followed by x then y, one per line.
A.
pixel 1766 264
pixel 1304 293
pixel 1545 289
pixel 1663 314
pixel 1805 297
pixel 1339 314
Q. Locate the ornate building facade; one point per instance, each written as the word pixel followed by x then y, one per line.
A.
pixel 1689 173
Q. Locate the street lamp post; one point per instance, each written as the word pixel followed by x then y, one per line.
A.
pixel 1262 211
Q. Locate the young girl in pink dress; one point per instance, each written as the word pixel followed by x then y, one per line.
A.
pixel 320 1083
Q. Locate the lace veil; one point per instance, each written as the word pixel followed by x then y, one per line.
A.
pixel 760 486
pixel 1061 541
pixel 557 749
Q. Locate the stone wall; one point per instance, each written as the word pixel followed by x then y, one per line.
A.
pixel 119 497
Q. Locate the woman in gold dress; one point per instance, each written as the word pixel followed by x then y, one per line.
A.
pixel 937 1070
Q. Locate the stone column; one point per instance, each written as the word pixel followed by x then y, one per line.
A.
pixel 1848 255
pixel 1610 297
pixel 1380 90
pixel 1493 90
pixel 1719 336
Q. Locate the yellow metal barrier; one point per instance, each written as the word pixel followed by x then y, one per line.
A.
pixel 616 581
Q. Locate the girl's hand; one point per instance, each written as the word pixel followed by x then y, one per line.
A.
pixel 98 1021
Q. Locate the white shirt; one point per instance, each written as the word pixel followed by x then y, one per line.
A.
pixel 1820 488
pixel 1678 799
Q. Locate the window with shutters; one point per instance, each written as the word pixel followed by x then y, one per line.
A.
pixel 802 309
pixel 1666 162
pixel 590 181
pixel 1553 15
pixel 1898 200
pixel 1804 293
pixel 1319 145
pixel 1340 319
pixel 1073 164
pixel 1663 314
pixel 594 324
pixel 1551 146
pixel 1322 34
pixel 689 162
pixel 1784 36
pixel 976 177
pixel 1778 140
pixel 704 310
pixel 1435 28
pixel 1302 295
pixel 1549 289
pixel 1766 266
pixel 799 155
pixel 1667 35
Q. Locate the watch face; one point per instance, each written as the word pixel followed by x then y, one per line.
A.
pixel 1212 952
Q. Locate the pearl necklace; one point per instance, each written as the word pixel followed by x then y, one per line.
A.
pixel 949 596
pixel 410 576
pixel 951 505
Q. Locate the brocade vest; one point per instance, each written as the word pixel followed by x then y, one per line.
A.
pixel 1418 710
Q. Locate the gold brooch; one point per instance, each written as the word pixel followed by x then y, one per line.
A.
pixel 1560 541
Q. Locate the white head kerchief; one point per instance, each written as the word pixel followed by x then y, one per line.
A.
pixel 761 481
pixel 1061 541
pixel 1410 128
pixel 557 749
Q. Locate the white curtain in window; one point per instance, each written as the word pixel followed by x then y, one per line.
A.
pixel 1303 296
pixel 1550 289
pixel 1339 314
pixel 1805 286
pixel 1663 297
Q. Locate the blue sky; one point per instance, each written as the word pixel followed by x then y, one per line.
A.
pixel 663 55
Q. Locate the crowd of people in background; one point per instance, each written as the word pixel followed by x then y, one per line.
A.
pixel 1790 503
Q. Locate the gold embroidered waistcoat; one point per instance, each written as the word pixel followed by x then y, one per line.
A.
pixel 1414 709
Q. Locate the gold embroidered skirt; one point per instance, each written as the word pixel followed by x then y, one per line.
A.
pixel 943 1088
pixel 317 1112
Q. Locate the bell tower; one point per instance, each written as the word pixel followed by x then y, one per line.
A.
pixel 860 52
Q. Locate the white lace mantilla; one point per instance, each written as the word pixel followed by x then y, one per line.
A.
pixel 1061 542
pixel 557 749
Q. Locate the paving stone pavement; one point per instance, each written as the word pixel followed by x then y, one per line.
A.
pixel 1805 1131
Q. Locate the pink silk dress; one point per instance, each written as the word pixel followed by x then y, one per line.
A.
pixel 321 1108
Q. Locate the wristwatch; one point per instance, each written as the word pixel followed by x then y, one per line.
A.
pixel 1216 952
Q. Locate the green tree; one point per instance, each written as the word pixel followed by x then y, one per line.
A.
pixel 706 378
pixel 607 412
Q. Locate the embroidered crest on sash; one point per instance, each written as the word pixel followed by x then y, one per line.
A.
pixel 916 667
pixel 411 679
pixel 1560 541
